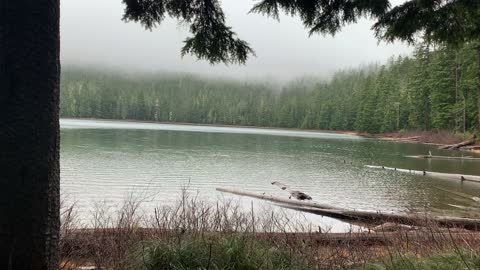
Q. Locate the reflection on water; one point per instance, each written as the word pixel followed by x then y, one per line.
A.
pixel 106 161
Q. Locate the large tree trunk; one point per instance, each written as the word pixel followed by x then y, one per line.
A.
pixel 29 134
pixel 478 87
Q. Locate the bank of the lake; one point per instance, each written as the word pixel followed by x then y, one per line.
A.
pixel 438 138
pixel 347 132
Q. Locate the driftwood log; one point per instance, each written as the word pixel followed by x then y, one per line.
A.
pixel 275 199
pixel 458 145
pixel 471 147
pixel 445 157
pixel 449 176
pixel 376 218
pixel 89 240
pixel 366 218
pixel 408 139
pixel 404 139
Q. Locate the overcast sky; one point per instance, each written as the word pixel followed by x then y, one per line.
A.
pixel 93 33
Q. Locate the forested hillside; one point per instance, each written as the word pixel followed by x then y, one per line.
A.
pixel 435 89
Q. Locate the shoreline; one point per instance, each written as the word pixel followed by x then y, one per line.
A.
pixel 346 132
pixel 439 139
pixel 414 136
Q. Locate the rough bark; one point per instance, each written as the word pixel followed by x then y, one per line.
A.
pixel 478 88
pixel 29 134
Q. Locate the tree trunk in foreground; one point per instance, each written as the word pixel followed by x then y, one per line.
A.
pixel 29 134
pixel 478 88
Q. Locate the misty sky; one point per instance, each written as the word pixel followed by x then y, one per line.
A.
pixel 93 33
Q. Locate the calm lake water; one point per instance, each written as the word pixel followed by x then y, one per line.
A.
pixel 107 161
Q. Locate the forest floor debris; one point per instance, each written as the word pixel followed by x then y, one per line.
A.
pixel 134 239
pixel 424 137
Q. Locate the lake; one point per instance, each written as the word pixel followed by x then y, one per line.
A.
pixel 107 161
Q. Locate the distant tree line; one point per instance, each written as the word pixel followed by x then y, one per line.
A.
pixel 435 89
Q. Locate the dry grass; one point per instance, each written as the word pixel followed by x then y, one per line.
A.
pixel 111 238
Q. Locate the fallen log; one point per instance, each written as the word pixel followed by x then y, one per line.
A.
pixel 377 218
pixel 334 239
pixel 458 145
pixel 407 139
pixel 448 176
pixel 275 199
pixel 445 157
pixel 393 227
pixel 470 148
pixel 399 139
pixel 366 218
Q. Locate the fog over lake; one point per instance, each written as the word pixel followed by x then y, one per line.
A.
pixel 284 49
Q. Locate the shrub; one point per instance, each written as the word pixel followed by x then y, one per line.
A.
pixel 232 252
pixel 450 261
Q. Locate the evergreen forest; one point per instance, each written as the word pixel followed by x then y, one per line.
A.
pixel 434 89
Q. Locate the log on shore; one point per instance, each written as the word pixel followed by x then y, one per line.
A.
pixel 458 145
pixel 88 240
pixel 400 139
pixel 333 239
pixel 408 139
pixel 448 176
pixel 376 238
pixel 470 148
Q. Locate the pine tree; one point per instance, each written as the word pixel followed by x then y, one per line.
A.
pixel 442 81
pixel 419 90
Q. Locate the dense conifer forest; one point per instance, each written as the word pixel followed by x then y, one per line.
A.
pixel 435 89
